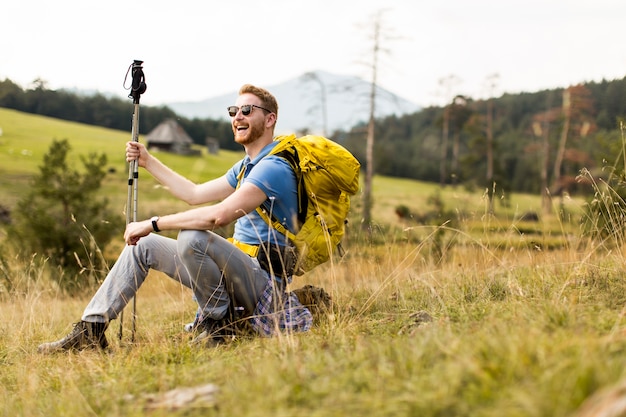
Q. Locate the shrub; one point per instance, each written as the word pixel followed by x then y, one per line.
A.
pixel 605 213
pixel 63 217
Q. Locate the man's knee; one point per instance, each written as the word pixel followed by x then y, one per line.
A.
pixel 190 237
pixel 190 241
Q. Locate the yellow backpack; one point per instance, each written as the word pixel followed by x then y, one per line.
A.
pixel 327 175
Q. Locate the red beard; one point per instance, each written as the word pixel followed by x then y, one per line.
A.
pixel 254 131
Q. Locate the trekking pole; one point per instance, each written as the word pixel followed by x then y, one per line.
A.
pixel 137 88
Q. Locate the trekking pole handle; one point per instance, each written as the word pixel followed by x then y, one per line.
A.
pixel 138 85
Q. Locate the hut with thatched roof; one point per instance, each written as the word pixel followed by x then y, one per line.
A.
pixel 169 136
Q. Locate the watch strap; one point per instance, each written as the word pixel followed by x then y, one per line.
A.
pixel 155 226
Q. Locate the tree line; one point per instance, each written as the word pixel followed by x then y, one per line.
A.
pixel 111 112
pixel 537 140
pixel 551 133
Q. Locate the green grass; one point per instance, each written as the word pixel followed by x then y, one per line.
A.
pixel 26 138
pixel 520 326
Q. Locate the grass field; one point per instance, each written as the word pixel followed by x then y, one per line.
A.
pixel 491 317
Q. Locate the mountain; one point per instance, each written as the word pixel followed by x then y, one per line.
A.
pixel 302 100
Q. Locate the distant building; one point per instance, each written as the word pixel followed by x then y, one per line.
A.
pixel 169 136
pixel 213 145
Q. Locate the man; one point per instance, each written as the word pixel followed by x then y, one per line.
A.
pixel 241 271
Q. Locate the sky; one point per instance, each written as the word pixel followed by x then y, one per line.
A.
pixel 198 49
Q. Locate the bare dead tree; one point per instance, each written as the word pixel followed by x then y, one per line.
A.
pixel 312 76
pixel 445 129
pixel 492 81
pixel 541 126
pixel 369 147
pixel 448 83
pixel 378 33
pixel 558 160
pixel 458 116
pixel 546 201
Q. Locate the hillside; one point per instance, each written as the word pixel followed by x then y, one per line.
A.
pixel 26 138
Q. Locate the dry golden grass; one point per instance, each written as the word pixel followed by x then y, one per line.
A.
pixel 513 332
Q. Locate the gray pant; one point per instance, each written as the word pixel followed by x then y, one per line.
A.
pixel 212 267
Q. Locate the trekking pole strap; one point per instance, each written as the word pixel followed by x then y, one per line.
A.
pixel 138 85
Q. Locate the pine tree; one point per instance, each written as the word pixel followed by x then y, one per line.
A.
pixel 64 218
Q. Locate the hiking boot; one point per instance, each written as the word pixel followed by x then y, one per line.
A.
pixel 85 335
pixel 210 333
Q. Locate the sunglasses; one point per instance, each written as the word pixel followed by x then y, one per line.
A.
pixel 246 109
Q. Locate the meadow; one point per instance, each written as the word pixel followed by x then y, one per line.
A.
pixel 487 315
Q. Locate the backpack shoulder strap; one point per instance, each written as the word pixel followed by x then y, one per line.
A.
pixel 287 151
pixel 291 156
pixel 275 224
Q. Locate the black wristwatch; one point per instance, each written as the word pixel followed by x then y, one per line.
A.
pixel 155 226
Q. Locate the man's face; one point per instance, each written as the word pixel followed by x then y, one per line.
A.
pixel 248 129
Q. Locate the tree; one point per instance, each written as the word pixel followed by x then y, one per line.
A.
pixel 577 114
pixel 312 76
pixel 11 95
pixel 458 114
pixel 369 147
pixel 62 218
pixel 448 84
pixel 541 128
pixel 492 80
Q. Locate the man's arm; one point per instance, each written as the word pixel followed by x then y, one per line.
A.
pixel 244 200
pixel 179 186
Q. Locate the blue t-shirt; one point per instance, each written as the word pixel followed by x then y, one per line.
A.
pixel 274 176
